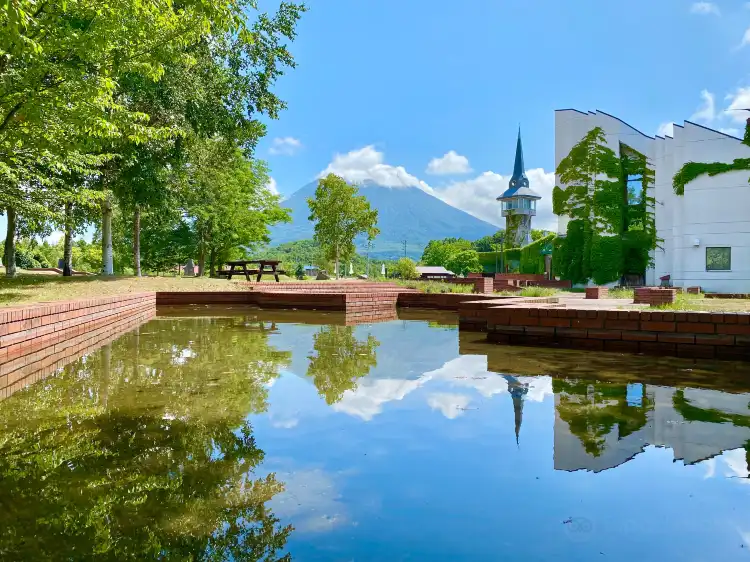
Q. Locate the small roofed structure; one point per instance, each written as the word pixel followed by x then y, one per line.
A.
pixel 434 272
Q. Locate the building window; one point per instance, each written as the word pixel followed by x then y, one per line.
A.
pixel 718 259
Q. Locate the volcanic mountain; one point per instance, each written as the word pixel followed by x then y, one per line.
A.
pixel 404 214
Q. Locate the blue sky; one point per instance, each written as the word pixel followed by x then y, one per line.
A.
pixel 389 85
pixel 413 80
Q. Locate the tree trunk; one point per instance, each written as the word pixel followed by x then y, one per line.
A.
pixel 68 248
pixel 337 262
pixel 107 257
pixel 201 259
pixel 9 257
pixel 106 363
pixel 212 262
pixel 137 240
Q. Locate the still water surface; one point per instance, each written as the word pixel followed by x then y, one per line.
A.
pixel 255 435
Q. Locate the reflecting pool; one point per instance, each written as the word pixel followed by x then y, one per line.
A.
pixel 231 434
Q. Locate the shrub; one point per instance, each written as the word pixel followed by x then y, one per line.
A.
pixel 406 269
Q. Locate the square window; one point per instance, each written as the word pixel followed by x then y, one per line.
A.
pixel 718 259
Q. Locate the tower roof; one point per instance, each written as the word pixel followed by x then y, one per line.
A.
pixel 518 186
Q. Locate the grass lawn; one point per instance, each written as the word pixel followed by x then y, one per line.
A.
pixel 28 288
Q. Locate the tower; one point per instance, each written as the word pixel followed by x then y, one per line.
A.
pixel 518 203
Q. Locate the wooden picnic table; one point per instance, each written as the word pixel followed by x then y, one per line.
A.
pixel 239 267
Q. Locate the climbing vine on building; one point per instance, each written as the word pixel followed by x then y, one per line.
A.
pixel 612 228
pixel 693 170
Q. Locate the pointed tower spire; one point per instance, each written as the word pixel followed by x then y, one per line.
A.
pixel 518 170
pixel 519 178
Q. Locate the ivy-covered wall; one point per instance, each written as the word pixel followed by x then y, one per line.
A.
pixel 612 228
pixel 693 170
pixel 528 259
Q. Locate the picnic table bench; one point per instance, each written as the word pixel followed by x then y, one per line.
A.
pixel 239 267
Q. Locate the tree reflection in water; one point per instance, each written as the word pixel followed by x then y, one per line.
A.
pixel 144 452
pixel 340 360
pixel 593 409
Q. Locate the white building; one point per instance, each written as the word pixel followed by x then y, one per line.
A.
pixel 711 219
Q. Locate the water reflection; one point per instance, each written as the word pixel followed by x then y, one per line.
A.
pixel 339 360
pixel 264 435
pixel 143 451
pixel 599 426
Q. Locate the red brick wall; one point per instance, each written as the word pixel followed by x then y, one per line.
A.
pixel 597 292
pixel 22 328
pixel 682 334
pixel 654 296
pixel 43 359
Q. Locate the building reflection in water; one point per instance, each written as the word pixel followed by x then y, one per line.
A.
pixel 602 425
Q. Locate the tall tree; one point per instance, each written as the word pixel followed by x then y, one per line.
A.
pixel 340 215
pixel 228 202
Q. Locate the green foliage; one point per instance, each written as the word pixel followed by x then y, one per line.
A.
pixel 612 230
pixel 340 214
pixel 143 451
pixel 116 94
pixel 406 269
pixel 228 202
pixel 339 360
pixel 299 272
pixel 486 243
pixel 513 222
pixel 538 292
pixel 559 200
pixel 593 410
pixel 606 258
pixel 463 262
pixel 435 287
pixel 693 170
pixel 439 252
pixel 531 258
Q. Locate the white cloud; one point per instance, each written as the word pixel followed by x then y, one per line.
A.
pixel 285 146
pixel 705 8
pixel 448 164
pixel 707 111
pixel 311 500
pixel 368 165
pixel 272 187
pixel 738 101
pixel 666 130
pixel 289 423
pixel 450 405
pixel 745 38
pixel 478 196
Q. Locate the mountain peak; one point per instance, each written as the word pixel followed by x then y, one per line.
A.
pixel 406 213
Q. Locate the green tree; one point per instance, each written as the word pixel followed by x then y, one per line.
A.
pixel 491 243
pixel 406 269
pixel 339 360
pixel 340 215
pixel 228 202
pixel 439 252
pixel 463 262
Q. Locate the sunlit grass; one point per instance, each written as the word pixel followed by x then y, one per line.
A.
pixel 434 286
pixel 621 293
pixel 27 288
pixel 538 292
